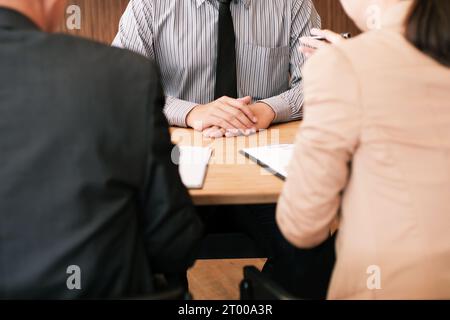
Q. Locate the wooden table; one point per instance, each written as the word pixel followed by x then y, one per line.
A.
pixel 233 179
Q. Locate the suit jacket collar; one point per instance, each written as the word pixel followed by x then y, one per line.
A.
pixel 14 20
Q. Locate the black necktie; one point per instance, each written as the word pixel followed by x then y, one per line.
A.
pixel 226 79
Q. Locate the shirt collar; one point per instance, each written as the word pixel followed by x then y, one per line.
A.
pixel 246 2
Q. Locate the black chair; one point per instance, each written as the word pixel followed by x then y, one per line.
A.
pixel 257 286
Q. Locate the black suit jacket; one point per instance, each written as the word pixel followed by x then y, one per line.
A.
pixel 86 176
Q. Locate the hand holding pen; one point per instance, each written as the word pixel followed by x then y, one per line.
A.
pixel 320 39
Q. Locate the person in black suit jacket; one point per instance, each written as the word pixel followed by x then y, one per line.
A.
pixel 91 205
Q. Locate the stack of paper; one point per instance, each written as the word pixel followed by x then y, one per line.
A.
pixel 275 158
pixel 193 164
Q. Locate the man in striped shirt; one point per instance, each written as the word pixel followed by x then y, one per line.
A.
pixel 181 36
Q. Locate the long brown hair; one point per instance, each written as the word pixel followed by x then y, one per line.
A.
pixel 428 28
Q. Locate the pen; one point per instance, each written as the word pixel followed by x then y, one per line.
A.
pixel 346 35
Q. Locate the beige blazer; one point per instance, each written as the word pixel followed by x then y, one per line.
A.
pixel 375 142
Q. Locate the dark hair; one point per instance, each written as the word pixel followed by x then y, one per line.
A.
pixel 428 28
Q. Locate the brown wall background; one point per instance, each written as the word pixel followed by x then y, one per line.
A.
pixel 334 17
pixel 100 18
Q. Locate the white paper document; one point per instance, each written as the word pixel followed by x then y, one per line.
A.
pixel 193 164
pixel 275 158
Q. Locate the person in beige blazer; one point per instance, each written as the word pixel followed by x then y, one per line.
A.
pixel 374 149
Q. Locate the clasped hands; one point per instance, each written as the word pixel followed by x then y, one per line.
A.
pixel 233 117
pixel 229 117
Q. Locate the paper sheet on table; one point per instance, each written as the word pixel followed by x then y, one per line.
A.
pixel 274 158
pixel 193 164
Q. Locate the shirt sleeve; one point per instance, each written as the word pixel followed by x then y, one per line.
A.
pixel 136 34
pixel 136 29
pixel 326 142
pixel 288 106
pixel 177 110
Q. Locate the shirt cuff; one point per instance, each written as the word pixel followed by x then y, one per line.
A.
pixel 281 108
pixel 177 110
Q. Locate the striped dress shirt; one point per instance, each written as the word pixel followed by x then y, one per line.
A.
pixel 181 36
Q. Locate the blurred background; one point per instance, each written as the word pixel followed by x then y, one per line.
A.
pixel 100 18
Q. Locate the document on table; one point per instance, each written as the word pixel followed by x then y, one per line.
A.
pixel 193 164
pixel 274 158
